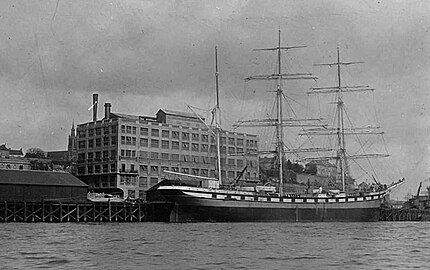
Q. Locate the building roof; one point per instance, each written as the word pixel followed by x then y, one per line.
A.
pixel 181 114
pixel 123 115
pixel 39 178
pixel 322 163
pixel 3 148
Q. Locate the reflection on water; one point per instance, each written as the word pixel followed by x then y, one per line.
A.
pixel 382 245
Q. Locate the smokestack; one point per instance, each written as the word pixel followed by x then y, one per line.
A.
pixel 95 101
pixel 107 110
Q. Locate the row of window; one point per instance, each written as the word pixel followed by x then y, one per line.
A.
pixel 176 145
pixel 196 159
pixel 97 156
pixel 97 131
pixel 98 142
pixel 102 181
pixel 97 168
pixel 185 136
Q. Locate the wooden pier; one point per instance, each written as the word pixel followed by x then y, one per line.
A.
pixel 84 212
pixel 392 214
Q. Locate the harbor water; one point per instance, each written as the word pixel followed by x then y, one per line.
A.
pixel 375 245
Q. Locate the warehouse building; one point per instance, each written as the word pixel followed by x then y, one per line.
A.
pixel 130 152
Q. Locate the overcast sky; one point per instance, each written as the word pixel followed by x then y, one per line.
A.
pixel 145 55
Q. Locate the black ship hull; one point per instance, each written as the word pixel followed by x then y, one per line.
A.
pixel 210 206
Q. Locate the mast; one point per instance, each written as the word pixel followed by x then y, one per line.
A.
pixel 340 131
pixel 279 122
pixel 217 118
pixel 279 129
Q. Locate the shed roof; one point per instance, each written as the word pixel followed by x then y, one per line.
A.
pixel 39 178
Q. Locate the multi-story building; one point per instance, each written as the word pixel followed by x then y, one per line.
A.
pixel 130 152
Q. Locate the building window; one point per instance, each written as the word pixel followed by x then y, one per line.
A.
pixel 185 158
pixel 175 169
pixel 205 160
pixel 175 145
pixel 185 146
pixel 155 132
pixel 195 147
pixel 231 150
pixel 105 130
pixel 134 130
pixel 122 167
pixel 98 142
pixel 204 138
pixel 154 143
pixel 97 168
pixel 175 156
pixel 113 140
pixel 128 140
pixel 194 171
pixel 165 133
pixel 164 168
pixel 195 137
pixel 90 143
pixel 143 142
pixel 185 170
pixel 223 140
pixel 144 168
pixel 164 156
pixel 230 174
pixel 231 162
pixel 231 141
pixel 165 144
pixel 175 134
pixel 81 157
pixel 112 181
pixel 239 163
pixel 122 139
pixel 113 167
pixel 204 172
pixel 204 147
pixel 185 136
pixel 128 153
pixel 144 131
pixel 154 169
pixel 143 154
pixel 154 155
pixel 239 150
pixel 122 128
pixel 196 159
pixel 106 141
pixel 122 153
pixel 143 182
pixel 81 134
pixel 113 154
pixel 113 129
pixel 98 131
pixel 128 129
pixel 239 141
pixel 153 181
pixel 98 156
pixel 90 169
pixel 90 156
pixel 133 153
pixel 105 168
pixel 105 155
pixel 81 170
pixel 90 132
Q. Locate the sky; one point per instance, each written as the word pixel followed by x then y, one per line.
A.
pixel 145 55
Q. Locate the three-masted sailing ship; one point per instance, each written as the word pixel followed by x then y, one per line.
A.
pixel 215 202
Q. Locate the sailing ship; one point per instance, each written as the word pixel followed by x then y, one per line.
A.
pixel 213 201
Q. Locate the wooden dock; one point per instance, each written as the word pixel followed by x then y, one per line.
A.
pixel 392 214
pixel 84 212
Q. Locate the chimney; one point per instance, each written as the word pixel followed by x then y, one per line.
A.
pixel 107 110
pixel 95 101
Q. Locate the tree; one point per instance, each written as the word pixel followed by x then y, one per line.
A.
pixel 35 152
